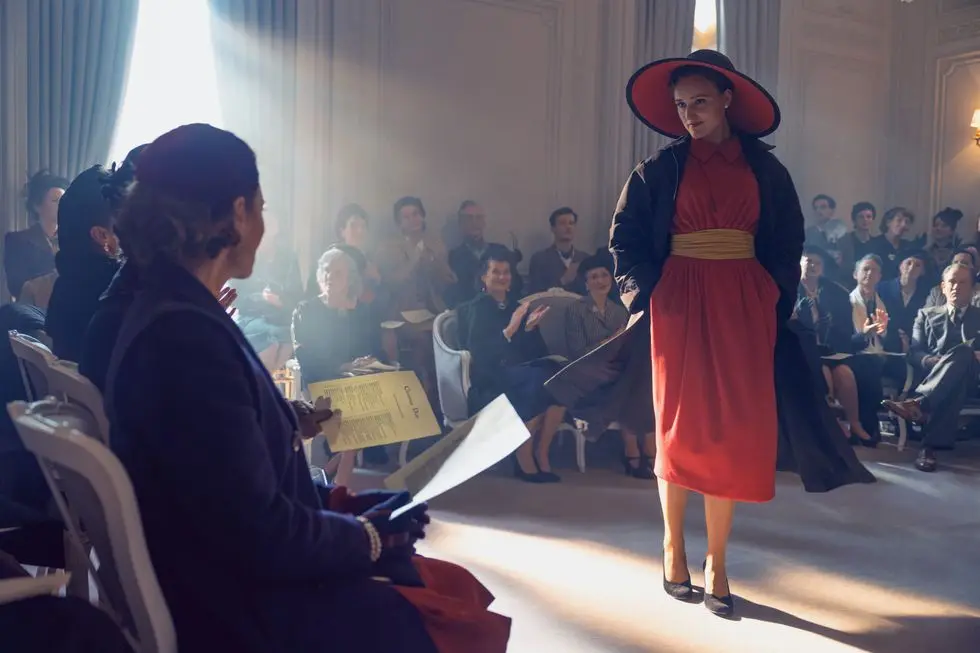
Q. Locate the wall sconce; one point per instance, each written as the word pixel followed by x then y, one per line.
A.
pixel 975 123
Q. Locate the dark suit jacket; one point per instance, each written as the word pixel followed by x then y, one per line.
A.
pixel 27 255
pixel 930 335
pixel 246 557
pixel 547 269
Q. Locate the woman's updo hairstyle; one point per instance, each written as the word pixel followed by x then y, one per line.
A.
pixel 720 82
pixel 38 186
pixel 180 206
pixel 949 216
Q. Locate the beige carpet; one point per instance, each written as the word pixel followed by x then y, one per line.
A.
pixel 888 568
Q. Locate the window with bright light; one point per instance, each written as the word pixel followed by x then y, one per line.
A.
pixel 705 25
pixel 172 79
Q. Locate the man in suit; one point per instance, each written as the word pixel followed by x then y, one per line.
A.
pixel 557 266
pixel 464 259
pixel 942 347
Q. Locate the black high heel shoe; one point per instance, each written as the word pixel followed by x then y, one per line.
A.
pixel 642 470
pixel 549 477
pixel 680 591
pixel 720 606
pixel 537 476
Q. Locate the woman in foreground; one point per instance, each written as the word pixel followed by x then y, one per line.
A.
pixel 707 239
pixel 250 555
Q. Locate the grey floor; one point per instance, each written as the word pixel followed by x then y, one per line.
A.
pixel 892 567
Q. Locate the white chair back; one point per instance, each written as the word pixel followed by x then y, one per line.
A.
pixel 552 325
pixel 452 369
pixel 33 358
pixel 65 381
pixel 92 489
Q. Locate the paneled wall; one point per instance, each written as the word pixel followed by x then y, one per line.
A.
pixel 834 81
pixel 935 162
pixel 502 101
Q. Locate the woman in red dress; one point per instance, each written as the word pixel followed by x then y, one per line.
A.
pixel 708 236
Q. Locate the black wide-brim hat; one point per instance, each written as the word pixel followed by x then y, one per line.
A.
pixel 752 111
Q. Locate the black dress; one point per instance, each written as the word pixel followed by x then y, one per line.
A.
pixel 516 368
pixel 27 254
pixel 327 338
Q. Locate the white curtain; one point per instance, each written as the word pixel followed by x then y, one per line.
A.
pixel 275 65
pixel 748 32
pixel 664 28
pixel 63 66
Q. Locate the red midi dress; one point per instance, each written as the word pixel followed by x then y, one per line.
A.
pixel 713 335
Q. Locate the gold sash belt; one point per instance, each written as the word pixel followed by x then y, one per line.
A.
pixel 714 244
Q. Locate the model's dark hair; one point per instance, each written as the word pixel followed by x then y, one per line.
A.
pixel 831 202
pixel 404 202
pixel 863 206
pixel 949 216
pixel 37 188
pixel 565 210
pixel 345 215
pixel 720 82
pixel 893 213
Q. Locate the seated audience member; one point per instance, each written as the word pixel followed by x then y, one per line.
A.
pixel 824 307
pixel 905 295
pixel 589 322
pixel 226 471
pixel 87 261
pixel 557 266
pixel 964 256
pixel 334 333
pixel 415 275
pixel 266 299
pixel 29 253
pixel 945 241
pixel 943 351
pixel 825 231
pixel 855 244
pixel 508 353
pixel 352 228
pixel 464 259
pixel 890 245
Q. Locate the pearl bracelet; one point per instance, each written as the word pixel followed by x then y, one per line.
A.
pixel 373 538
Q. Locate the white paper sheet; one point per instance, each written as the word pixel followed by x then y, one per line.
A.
pixel 392 324
pixel 472 447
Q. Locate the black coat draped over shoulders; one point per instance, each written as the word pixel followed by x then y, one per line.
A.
pixel 640 241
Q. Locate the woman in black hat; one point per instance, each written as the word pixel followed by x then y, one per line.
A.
pixel 707 240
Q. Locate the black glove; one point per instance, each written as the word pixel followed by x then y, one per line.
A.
pixel 396 565
pixel 406 528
